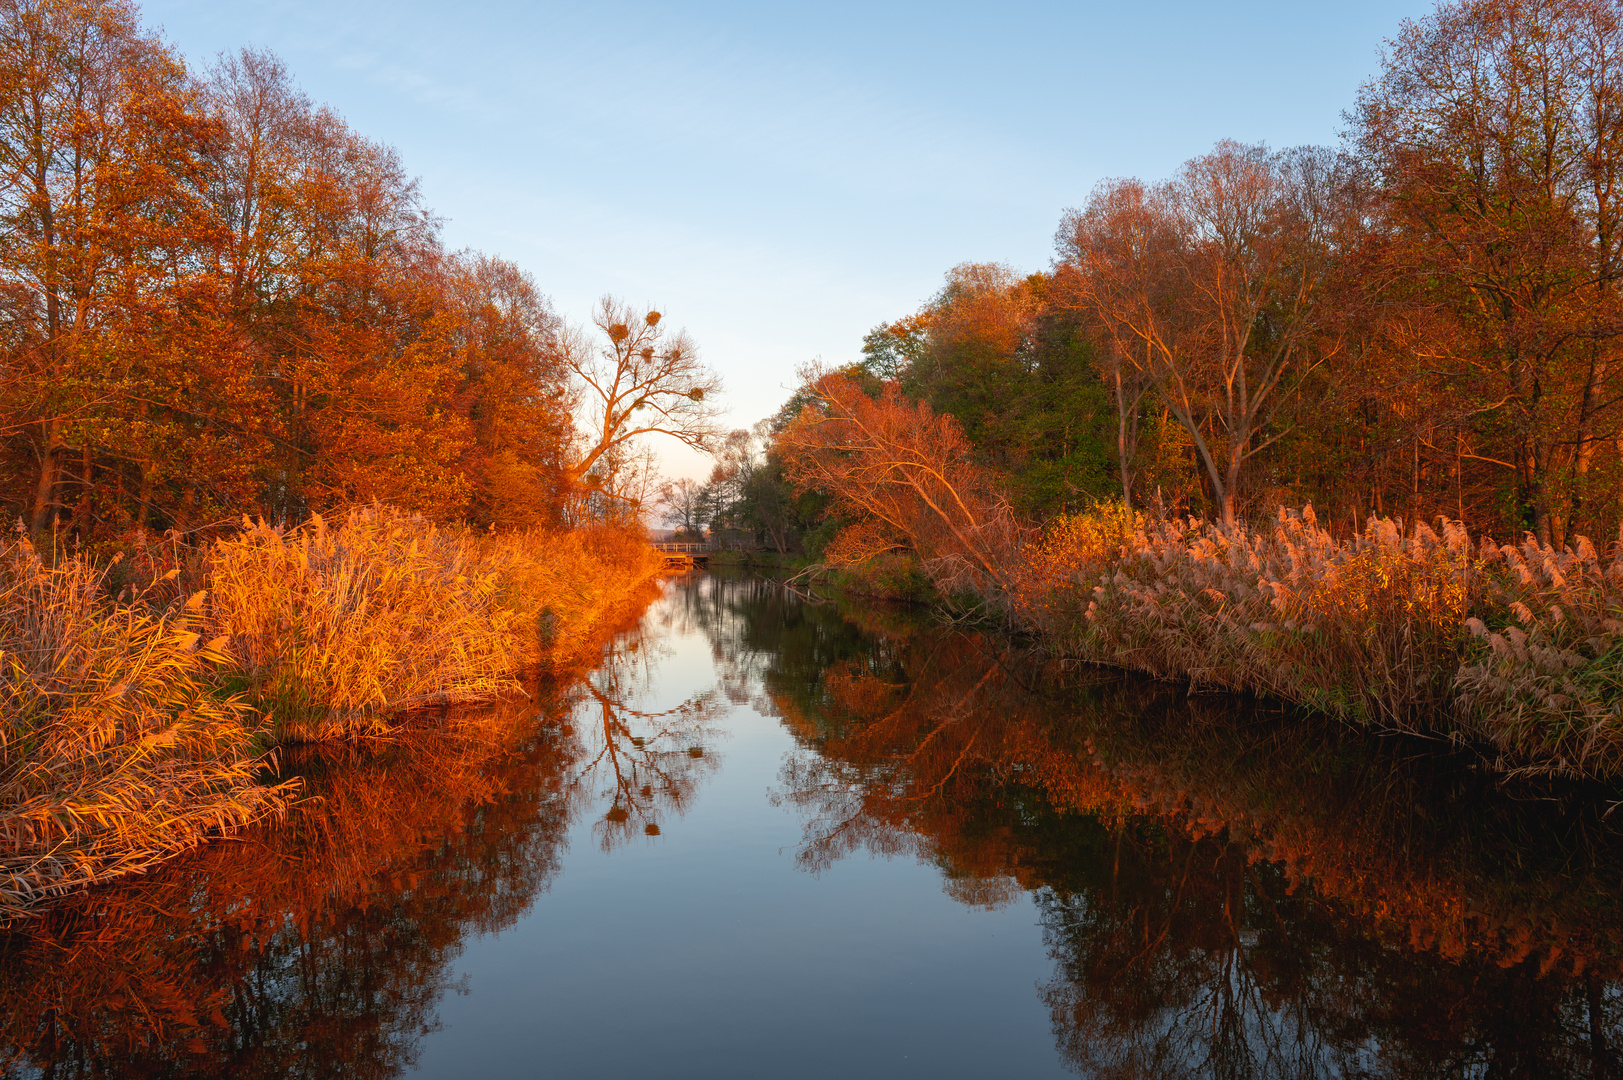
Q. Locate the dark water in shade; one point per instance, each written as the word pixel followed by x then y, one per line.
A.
pixel 775 838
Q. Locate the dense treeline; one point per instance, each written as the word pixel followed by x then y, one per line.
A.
pixel 1422 322
pixel 218 298
pixel 1213 441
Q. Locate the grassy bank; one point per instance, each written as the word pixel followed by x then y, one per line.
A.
pixel 1514 649
pixel 143 695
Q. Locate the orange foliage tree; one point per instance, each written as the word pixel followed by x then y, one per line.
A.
pixel 905 474
pixel 1208 285
pixel 1494 147
pixel 218 299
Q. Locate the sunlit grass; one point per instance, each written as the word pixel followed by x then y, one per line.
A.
pixel 340 627
pixel 135 712
pixel 1515 649
pixel 117 747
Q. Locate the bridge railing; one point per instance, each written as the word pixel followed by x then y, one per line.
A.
pixel 682 549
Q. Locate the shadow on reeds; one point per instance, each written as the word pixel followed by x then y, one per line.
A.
pixel 1224 890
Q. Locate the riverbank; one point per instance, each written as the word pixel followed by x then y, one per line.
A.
pixel 1087 831
pixel 893 577
pixel 1514 650
pixel 143 696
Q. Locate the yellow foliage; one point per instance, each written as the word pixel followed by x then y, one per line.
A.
pixel 115 750
pixel 132 729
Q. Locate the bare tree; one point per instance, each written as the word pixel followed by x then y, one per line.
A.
pixel 1207 286
pixel 684 502
pixel 642 381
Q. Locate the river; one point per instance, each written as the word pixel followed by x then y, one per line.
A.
pixel 771 835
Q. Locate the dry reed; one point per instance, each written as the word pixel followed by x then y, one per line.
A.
pixel 115 750
pixel 1514 649
pixel 1541 678
pixel 339 628
pixel 134 727
pixel 565 585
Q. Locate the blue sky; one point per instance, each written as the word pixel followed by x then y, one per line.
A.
pixel 778 178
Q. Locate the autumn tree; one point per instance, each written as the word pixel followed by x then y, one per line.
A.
pixel 641 381
pixel 1494 134
pixel 1208 285
pixel 390 370
pixel 1006 355
pixel 101 145
pixel 511 388
pixel 216 298
pixel 891 349
pixel 906 478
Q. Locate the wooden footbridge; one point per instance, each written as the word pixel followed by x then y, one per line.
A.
pixel 684 556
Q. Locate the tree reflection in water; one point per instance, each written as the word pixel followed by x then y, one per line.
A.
pixel 321 946
pixel 1223 893
pixel 642 762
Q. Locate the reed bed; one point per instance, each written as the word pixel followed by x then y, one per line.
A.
pixel 117 749
pixel 340 628
pixel 567 585
pixel 1514 649
pixel 137 713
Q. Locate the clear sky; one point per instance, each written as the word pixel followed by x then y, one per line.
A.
pixel 780 178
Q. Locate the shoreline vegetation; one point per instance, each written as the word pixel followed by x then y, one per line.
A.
pixel 228 308
pixel 1513 651
pixel 1334 425
pixel 145 698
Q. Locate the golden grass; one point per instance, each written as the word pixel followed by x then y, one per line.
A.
pixel 134 727
pixel 115 749
pixel 568 584
pixel 1515 649
pixel 341 628
pixel 338 628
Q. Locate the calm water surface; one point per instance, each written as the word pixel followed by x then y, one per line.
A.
pixel 771 837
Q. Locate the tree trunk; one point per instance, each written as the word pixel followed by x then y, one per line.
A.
pixel 49 464
pixel 1126 436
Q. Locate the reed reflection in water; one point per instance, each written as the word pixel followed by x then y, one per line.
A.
pixel 1223 892
pixel 662 866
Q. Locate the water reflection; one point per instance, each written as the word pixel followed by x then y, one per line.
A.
pixel 1220 892
pixel 324 942
pixel 320 946
pixel 643 763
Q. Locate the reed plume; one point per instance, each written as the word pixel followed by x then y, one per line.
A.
pixel 1514 649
